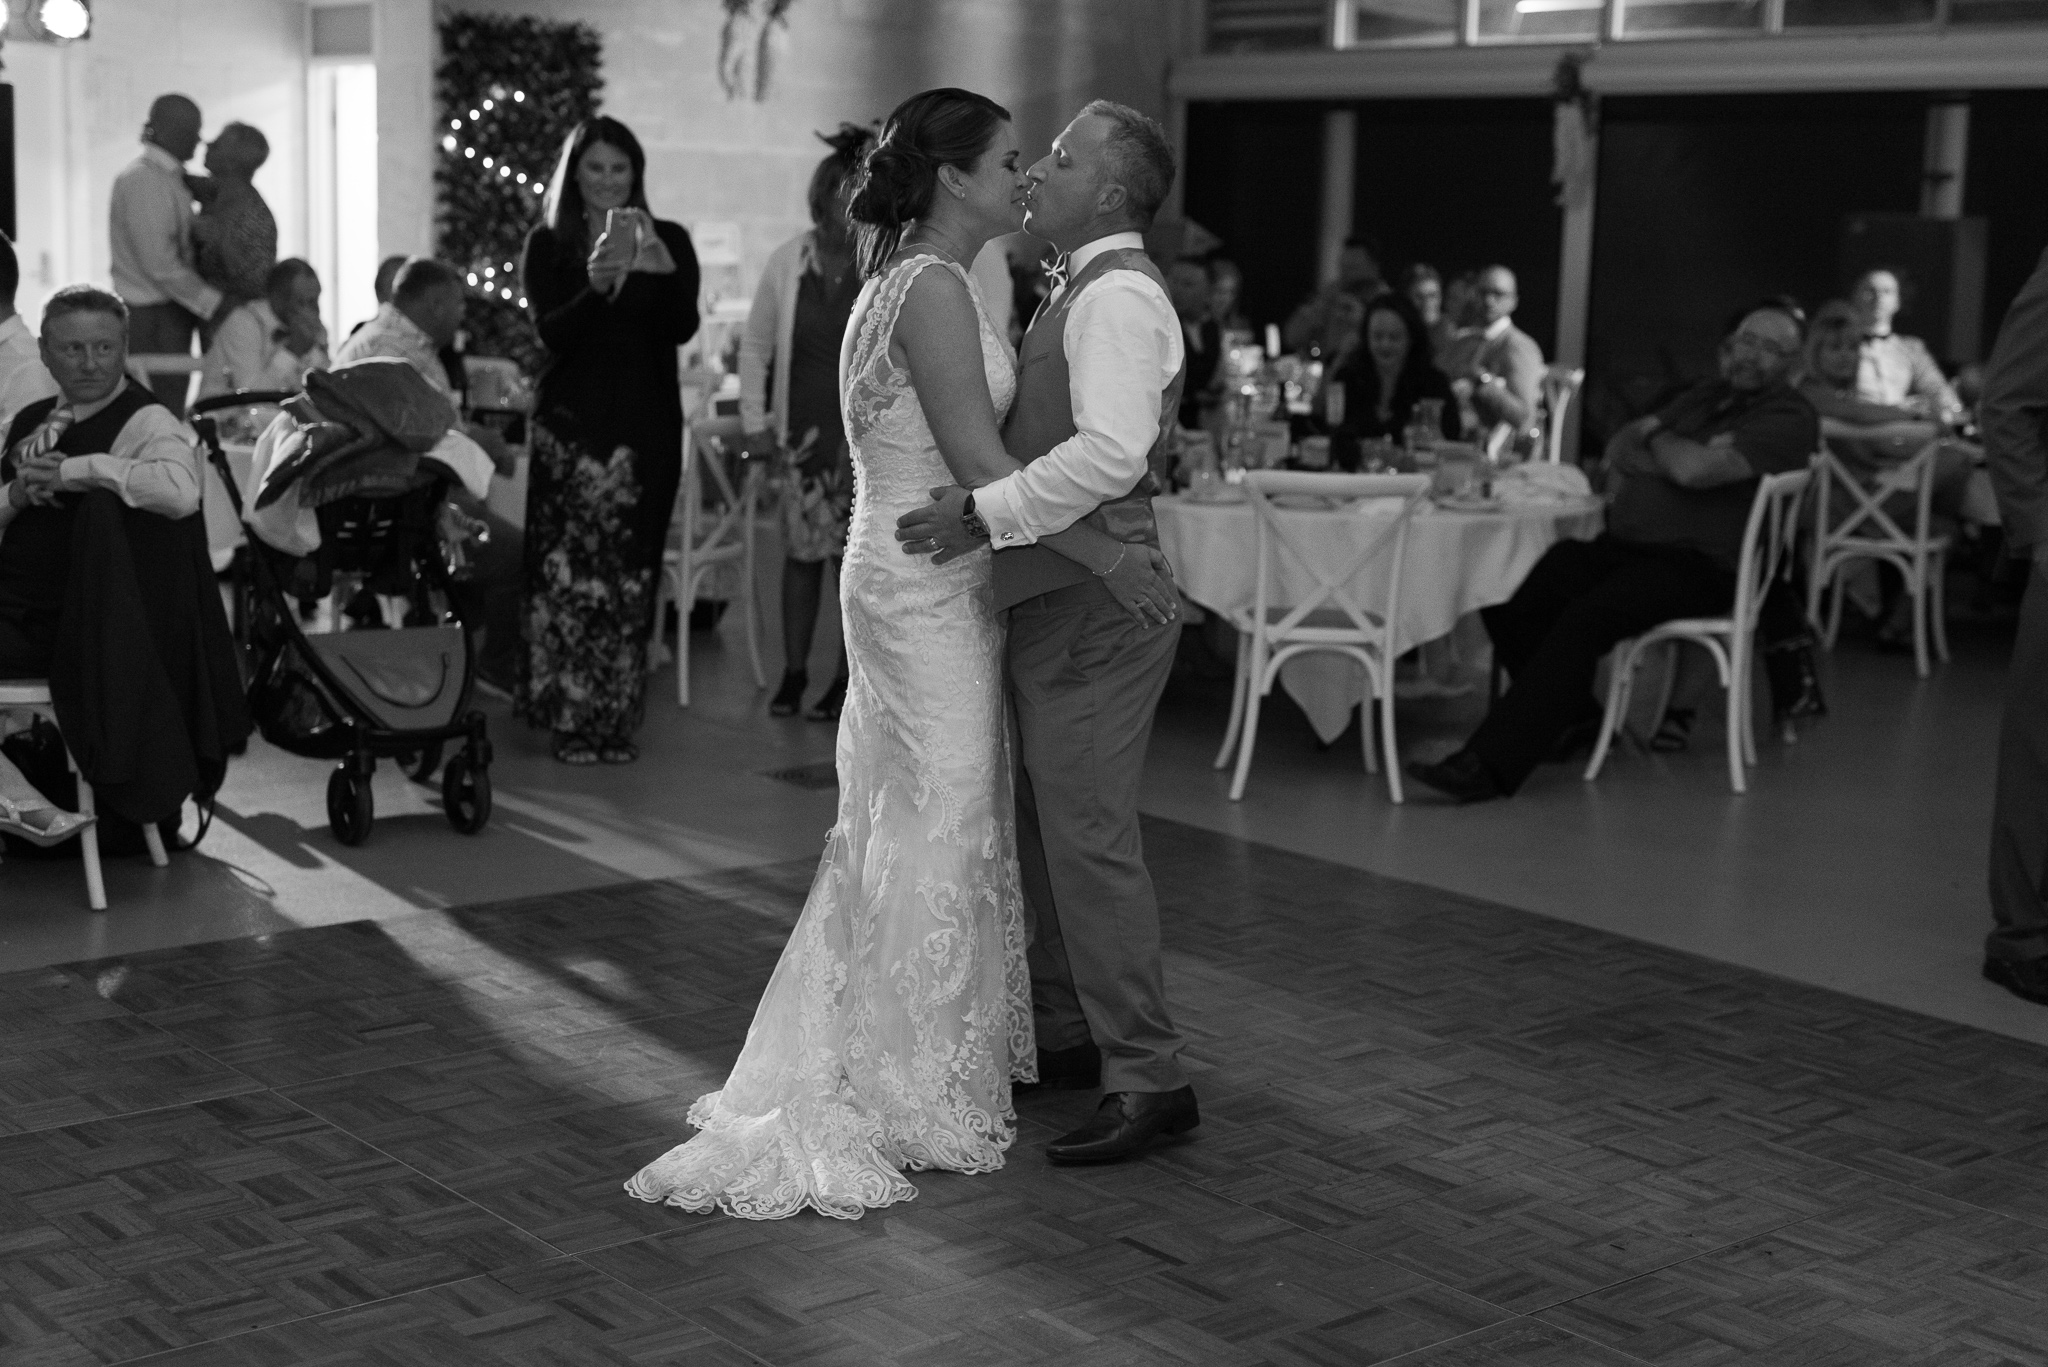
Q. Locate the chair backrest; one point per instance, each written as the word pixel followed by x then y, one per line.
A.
pixel 710 511
pixel 1560 384
pixel 1398 495
pixel 1865 520
pixel 1767 541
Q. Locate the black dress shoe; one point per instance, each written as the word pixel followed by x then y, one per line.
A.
pixel 1078 1069
pixel 2026 978
pixel 1462 778
pixel 1124 1124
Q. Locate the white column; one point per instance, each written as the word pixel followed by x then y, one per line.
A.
pixel 406 45
pixel 1340 158
pixel 1575 284
pixel 1947 153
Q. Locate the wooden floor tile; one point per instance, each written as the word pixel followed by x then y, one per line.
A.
pixel 174 1227
pixel 74 1055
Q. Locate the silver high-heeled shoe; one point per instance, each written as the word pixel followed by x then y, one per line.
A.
pixel 63 825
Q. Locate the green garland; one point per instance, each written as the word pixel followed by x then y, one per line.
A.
pixel 507 91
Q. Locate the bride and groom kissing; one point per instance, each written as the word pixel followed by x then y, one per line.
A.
pixel 982 915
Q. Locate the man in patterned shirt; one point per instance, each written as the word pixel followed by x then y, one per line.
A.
pixel 234 238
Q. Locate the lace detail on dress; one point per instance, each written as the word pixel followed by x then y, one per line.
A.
pixel 901 1008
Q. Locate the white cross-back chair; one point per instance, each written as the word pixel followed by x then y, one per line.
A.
pixel 713 526
pixel 1329 617
pixel 33 695
pixel 1866 531
pixel 1731 640
pixel 1561 385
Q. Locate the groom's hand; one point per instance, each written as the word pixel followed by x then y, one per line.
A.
pixel 938 530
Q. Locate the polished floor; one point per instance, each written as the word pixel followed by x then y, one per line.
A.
pixel 1627 1072
pixel 1436 1130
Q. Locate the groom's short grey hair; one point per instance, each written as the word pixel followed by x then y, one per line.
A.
pixel 1139 158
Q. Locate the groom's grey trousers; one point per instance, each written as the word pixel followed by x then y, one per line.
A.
pixel 1085 678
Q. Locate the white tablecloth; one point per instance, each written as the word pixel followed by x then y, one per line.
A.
pixel 1458 562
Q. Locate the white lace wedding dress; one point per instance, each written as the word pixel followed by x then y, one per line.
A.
pixel 901 1008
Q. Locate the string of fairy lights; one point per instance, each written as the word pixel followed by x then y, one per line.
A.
pixel 492 279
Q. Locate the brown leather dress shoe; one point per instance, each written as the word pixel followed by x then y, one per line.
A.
pixel 1124 1124
pixel 1078 1069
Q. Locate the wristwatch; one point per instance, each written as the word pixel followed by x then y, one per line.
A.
pixel 971 520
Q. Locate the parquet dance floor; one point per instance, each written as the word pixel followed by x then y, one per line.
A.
pixel 1436 1131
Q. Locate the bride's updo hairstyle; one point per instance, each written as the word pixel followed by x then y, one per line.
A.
pixel 944 127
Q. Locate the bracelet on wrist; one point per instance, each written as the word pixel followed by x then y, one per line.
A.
pixel 1104 574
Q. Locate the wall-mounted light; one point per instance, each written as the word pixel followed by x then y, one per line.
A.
pixel 58 21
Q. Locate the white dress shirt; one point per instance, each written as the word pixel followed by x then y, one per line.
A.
pixel 152 463
pixel 149 223
pixel 1123 346
pixel 248 352
pixel 23 377
pixel 391 333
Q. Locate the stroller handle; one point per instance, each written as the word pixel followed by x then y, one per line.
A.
pixel 209 433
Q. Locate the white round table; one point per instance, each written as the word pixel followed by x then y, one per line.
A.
pixel 1458 562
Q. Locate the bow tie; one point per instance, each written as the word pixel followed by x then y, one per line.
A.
pixel 1056 271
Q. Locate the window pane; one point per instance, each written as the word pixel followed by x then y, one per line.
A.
pixel 1820 13
pixel 1549 20
pixel 1405 21
pixel 1647 18
pixel 1267 25
pixel 1998 12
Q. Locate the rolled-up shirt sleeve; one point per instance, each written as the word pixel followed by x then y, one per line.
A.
pixel 153 466
pixel 1123 347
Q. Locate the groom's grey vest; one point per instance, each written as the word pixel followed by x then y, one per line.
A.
pixel 1042 416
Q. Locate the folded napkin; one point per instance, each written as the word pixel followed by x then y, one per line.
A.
pixel 1541 482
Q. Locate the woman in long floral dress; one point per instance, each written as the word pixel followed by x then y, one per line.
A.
pixel 614 293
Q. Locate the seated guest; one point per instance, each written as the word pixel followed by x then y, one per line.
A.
pixel 1682 481
pixel 1315 329
pixel 1892 370
pixel 234 237
pixel 1384 378
pixel 269 343
pixel 23 376
pixel 1189 287
pixel 380 285
pixel 1226 302
pixel 1424 288
pixel 1503 364
pixel 100 431
pixel 417 325
pixel 1871 437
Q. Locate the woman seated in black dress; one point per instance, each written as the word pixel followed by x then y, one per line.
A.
pixel 1385 378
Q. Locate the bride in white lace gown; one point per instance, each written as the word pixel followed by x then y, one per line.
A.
pixel 900 1011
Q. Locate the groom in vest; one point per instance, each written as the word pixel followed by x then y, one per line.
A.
pixel 1098 387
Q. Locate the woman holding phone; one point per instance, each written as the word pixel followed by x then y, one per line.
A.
pixel 614 293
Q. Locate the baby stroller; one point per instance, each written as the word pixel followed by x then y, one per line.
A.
pixel 358 696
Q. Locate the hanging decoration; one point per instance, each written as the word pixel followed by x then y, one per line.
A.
pixel 748 44
pixel 1575 123
pixel 507 91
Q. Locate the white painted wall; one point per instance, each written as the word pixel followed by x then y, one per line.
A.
pixel 79 112
pixel 710 158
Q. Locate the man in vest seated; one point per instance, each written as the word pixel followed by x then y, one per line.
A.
pixel 101 431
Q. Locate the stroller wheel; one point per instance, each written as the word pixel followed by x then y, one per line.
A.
pixel 350 806
pixel 419 765
pixel 466 793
